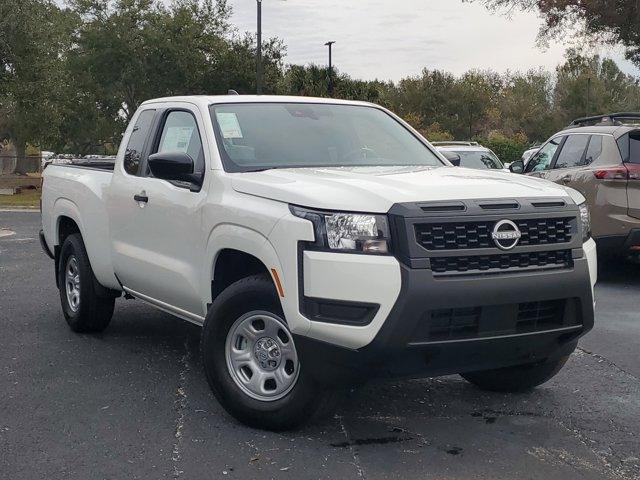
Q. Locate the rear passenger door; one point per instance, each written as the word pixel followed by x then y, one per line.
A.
pixel 570 159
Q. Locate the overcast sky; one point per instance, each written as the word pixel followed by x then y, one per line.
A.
pixel 390 39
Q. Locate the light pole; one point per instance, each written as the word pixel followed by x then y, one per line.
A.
pixel 259 50
pixel 329 44
pixel 588 95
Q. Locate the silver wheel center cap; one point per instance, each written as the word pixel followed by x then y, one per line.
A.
pixel 267 353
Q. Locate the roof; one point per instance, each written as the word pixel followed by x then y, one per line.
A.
pixel 450 143
pixel 615 130
pixel 463 148
pixel 206 100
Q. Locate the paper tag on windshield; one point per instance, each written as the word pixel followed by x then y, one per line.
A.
pixel 229 125
pixel 176 139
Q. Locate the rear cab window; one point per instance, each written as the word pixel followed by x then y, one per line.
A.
pixel 136 143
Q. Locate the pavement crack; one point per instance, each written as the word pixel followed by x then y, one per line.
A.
pixel 605 359
pixel 180 407
pixel 352 447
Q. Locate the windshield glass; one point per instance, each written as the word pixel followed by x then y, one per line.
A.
pixel 480 159
pixel 258 136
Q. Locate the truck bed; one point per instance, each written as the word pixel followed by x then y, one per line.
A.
pixel 104 164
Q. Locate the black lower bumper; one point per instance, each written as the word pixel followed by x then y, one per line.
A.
pixel 442 326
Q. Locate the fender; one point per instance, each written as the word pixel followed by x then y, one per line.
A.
pixel 63 207
pixel 97 251
pixel 237 237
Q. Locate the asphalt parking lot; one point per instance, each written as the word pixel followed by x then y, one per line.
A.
pixel 133 403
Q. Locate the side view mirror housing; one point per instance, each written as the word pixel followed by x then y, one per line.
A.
pixel 517 167
pixel 453 157
pixel 177 166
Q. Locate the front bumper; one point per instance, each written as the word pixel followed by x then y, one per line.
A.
pixel 405 346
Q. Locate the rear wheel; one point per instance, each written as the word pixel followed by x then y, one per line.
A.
pixel 84 307
pixel 251 361
pixel 516 379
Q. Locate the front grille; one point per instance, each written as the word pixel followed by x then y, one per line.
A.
pixel 465 235
pixel 499 262
pixel 496 320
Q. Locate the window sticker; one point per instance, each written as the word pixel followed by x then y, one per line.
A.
pixel 229 125
pixel 177 139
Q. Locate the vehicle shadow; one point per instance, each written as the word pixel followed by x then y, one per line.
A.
pixel 618 272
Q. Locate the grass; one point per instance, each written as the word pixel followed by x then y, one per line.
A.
pixel 28 198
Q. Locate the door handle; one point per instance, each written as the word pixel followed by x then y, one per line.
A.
pixel 141 198
pixel 566 179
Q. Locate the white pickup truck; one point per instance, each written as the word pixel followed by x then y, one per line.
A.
pixel 321 243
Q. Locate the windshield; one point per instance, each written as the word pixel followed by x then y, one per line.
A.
pixel 479 159
pixel 258 136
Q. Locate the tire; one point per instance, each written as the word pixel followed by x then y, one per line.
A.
pixel 84 308
pixel 520 378
pixel 294 397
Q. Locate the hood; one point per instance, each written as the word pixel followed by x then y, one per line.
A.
pixel 376 189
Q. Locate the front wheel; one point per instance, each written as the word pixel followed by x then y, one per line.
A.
pixel 251 361
pixel 516 379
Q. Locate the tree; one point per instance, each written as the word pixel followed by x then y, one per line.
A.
pixel 615 22
pixel 600 80
pixel 525 105
pixel 34 34
pixel 128 51
pixel 475 93
pixel 430 96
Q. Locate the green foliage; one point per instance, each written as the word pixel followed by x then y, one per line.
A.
pixel 594 21
pixel 72 75
pixel 33 33
pixel 508 148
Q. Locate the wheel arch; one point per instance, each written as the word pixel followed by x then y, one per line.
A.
pixel 235 252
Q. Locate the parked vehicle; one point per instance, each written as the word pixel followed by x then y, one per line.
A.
pixel 321 243
pixel 527 154
pixel 599 157
pixel 471 155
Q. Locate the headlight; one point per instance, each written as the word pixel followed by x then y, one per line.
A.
pixel 348 232
pixel 585 220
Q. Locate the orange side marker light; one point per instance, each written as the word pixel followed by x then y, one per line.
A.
pixel 276 279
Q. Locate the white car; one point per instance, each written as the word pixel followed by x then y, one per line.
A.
pixel 321 243
pixel 470 155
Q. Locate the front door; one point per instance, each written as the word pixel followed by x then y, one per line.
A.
pixel 541 161
pixel 158 241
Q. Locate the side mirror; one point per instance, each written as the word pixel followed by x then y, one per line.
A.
pixel 517 167
pixel 173 166
pixel 453 157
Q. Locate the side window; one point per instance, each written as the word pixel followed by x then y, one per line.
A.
pixel 133 153
pixel 572 151
pixel 623 146
pixel 634 147
pixel 542 159
pixel 180 134
pixel 594 150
